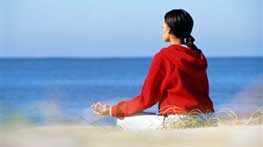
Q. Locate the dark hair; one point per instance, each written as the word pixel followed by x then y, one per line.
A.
pixel 181 24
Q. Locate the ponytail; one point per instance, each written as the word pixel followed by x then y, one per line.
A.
pixel 181 25
pixel 189 41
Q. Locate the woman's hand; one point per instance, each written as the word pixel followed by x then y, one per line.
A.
pixel 101 109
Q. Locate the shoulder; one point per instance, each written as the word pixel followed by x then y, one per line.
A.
pixel 161 53
pixel 160 58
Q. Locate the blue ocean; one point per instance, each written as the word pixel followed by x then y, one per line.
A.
pixel 60 90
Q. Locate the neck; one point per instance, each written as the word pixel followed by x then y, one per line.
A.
pixel 175 41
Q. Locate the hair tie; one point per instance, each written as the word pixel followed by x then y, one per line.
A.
pixel 190 39
pixel 190 43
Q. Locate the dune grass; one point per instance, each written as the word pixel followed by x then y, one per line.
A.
pixel 196 119
pixel 225 116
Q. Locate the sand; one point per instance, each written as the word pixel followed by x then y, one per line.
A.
pixel 91 136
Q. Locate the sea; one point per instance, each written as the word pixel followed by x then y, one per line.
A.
pixel 47 91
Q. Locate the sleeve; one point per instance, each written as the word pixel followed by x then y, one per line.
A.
pixel 151 91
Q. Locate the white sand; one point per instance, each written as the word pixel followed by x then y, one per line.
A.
pixel 80 136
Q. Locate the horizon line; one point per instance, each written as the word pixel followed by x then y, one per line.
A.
pixel 106 57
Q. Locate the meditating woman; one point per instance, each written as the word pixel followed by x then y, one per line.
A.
pixel 177 77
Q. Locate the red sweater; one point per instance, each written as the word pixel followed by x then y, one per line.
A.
pixel 177 79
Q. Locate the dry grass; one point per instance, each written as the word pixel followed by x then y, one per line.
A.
pixel 224 116
pixel 196 119
pixel 232 130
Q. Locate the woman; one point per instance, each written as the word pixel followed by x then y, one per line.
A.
pixel 177 76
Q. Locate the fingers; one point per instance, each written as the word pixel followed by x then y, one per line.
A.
pixel 103 110
pixel 96 107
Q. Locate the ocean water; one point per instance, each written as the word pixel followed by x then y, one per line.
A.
pixel 61 90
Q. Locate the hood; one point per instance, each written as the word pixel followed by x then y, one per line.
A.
pixel 186 59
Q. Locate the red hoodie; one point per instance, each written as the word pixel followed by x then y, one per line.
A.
pixel 177 79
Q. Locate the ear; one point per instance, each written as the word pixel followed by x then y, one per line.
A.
pixel 169 30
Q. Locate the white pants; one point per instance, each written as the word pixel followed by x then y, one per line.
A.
pixel 141 121
pixel 146 121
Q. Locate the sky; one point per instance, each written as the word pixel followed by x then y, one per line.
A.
pixel 117 28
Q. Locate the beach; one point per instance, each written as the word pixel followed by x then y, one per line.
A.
pixel 52 109
pixel 91 136
pixel 194 70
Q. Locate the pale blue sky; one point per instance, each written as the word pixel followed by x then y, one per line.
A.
pixel 104 28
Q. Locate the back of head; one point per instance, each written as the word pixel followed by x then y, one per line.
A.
pixel 181 25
